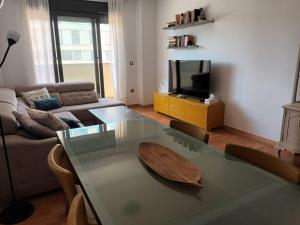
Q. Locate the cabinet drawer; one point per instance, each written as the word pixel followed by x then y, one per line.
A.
pixel 176 108
pixel 196 115
pixel 291 132
pixel 161 103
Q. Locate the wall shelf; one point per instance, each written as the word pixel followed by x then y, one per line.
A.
pixel 193 24
pixel 184 47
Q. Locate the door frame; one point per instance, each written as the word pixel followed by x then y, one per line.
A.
pixel 96 20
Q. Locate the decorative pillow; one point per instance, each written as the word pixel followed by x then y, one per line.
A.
pixel 33 127
pixel 47 119
pixel 47 104
pixel 38 94
pixel 72 123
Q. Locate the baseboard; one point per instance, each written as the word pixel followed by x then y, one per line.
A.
pixel 252 136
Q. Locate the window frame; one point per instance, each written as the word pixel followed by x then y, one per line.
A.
pixel 96 20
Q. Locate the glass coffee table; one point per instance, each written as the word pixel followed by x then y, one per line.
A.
pixel 123 191
pixel 115 114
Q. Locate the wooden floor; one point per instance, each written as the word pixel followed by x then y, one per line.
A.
pixel 50 210
pixel 217 138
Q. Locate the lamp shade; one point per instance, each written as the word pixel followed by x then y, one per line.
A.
pixel 12 37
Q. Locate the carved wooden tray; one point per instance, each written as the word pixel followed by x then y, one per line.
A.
pixel 169 164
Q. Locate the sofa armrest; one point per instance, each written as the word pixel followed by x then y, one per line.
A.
pixel 28 163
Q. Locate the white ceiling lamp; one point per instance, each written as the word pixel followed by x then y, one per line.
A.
pixel 1 3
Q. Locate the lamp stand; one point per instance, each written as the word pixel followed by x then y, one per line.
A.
pixel 18 211
pixel 5 55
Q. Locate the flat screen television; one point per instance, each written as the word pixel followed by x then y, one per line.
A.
pixel 190 77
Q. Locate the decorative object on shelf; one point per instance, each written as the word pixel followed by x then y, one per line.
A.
pixel 290 131
pixel 184 41
pixel 1 3
pixel 164 86
pixel 18 211
pixel 211 100
pixel 195 17
pixel 169 164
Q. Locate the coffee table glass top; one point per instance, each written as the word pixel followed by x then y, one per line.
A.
pixel 123 191
pixel 115 114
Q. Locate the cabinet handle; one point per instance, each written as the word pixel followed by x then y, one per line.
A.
pixel 299 124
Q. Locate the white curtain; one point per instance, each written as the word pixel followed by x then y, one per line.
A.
pixel 115 13
pixel 39 31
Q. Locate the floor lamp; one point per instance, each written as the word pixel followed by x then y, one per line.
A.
pixel 17 211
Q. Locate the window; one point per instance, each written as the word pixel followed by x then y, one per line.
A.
pixel 77 56
pixel 105 43
pixel 87 55
pixel 76 25
pixel 75 37
pixel 67 55
pixel 85 37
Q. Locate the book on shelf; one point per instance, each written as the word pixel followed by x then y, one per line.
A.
pixel 188 17
pixel 171 24
pixel 181 41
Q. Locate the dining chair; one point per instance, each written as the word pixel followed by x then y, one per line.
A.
pixel 77 213
pixel 61 167
pixel 265 161
pixel 190 129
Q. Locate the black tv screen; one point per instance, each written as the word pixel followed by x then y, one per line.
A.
pixel 190 77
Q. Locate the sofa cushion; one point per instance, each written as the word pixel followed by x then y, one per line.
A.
pixel 47 104
pixel 8 119
pixel 67 115
pixel 21 106
pixel 33 127
pixel 37 94
pixel 47 119
pixel 77 98
pixel 57 96
pixel 75 86
pixel 8 96
pixel 101 103
pixel 50 87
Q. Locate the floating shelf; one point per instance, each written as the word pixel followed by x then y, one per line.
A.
pixel 193 24
pixel 184 47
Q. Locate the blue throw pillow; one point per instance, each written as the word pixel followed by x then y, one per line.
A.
pixel 47 104
pixel 72 123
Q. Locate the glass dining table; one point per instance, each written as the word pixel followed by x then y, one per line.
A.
pixel 121 190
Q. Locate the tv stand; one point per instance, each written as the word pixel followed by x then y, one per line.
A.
pixel 181 96
pixel 190 110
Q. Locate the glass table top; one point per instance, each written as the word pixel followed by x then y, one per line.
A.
pixel 115 114
pixel 122 191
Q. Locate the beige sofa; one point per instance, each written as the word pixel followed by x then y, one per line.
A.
pixel 27 154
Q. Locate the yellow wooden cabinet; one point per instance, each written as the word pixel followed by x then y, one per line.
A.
pixel 190 110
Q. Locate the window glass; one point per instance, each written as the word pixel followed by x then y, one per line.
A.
pixel 85 37
pixel 75 37
pixel 87 55
pixel 77 55
pixel 67 55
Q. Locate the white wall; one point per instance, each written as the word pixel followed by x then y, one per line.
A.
pixel 130 32
pixel 15 70
pixel 253 46
pixel 146 45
